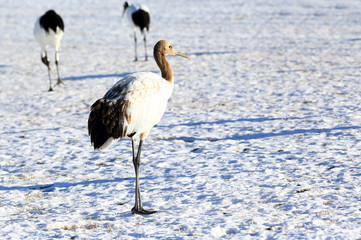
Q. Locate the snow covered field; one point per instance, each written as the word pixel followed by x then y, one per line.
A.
pixel 261 139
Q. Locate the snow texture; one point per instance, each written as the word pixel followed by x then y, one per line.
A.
pixel 261 137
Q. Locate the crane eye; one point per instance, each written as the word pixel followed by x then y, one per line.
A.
pixel 170 46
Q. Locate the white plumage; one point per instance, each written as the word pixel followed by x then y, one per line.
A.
pixel 47 39
pixel 131 108
pixel 147 94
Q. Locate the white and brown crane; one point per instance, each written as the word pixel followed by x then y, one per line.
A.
pixel 132 107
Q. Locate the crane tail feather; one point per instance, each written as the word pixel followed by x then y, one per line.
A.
pixel 96 127
pixel 106 122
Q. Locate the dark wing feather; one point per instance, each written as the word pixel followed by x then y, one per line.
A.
pixel 108 114
pixel 106 120
pixel 141 19
pixel 51 20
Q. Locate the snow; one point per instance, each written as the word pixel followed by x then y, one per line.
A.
pixel 261 137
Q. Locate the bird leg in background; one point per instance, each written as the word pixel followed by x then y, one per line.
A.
pixel 138 206
pixel 57 68
pixel 135 42
pixel 145 47
pixel 45 60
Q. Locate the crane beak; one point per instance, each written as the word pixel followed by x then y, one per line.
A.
pixel 181 54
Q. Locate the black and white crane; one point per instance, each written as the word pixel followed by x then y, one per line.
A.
pixel 138 16
pixel 48 31
pixel 131 108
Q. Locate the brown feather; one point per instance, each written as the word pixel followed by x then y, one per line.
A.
pixel 106 120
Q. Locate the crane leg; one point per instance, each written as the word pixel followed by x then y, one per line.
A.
pixel 145 47
pixel 138 207
pixel 135 44
pixel 57 68
pixel 45 60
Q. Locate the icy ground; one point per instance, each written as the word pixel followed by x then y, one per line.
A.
pixel 261 138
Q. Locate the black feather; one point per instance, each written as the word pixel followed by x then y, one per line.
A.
pixel 141 19
pixel 106 121
pixel 51 20
pixel 96 128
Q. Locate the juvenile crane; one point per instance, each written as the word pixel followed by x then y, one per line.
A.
pixel 138 16
pixel 48 31
pixel 131 108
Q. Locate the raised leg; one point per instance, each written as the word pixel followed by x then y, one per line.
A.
pixel 135 44
pixel 45 60
pixel 138 207
pixel 57 68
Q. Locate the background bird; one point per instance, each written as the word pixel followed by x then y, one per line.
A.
pixel 131 108
pixel 138 16
pixel 48 31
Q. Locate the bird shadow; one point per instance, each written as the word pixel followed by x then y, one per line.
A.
pixel 354 39
pixel 290 132
pixel 95 76
pixel 32 130
pixel 60 185
pixel 253 136
pixel 263 135
pixel 224 121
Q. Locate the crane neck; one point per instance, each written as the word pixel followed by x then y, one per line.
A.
pixel 164 66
